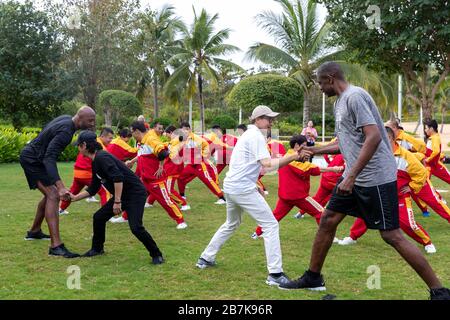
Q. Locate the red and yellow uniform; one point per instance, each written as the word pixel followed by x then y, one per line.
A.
pixel 410 143
pixel 121 150
pixel 293 190
pixel 276 150
pixel 410 172
pixel 433 158
pixel 221 149
pixel 82 177
pixel 196 158
pixel 329 179
pixel 173 166
pixel 149 149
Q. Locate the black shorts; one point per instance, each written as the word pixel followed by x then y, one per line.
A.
pixel 377 206
pixel 34 171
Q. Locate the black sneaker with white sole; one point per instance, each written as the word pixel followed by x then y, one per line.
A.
pixel 62 251
pixel 306 281
pixel 202 263
pixel 158 260
pixel 38 235
pixel 440 294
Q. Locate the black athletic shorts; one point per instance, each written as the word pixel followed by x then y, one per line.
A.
pixel 34 171
pixel 377 206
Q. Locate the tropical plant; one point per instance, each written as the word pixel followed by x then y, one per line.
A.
pixel 301 44
pixel 197 60
pixel 157 30
pixel 117 104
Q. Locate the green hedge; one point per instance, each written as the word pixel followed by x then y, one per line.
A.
pixel 12 142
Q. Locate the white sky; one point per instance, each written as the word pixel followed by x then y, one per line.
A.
pixel 238 15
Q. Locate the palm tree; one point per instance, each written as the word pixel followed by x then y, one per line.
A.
pixel 198 58
pixel 301 44
pixel 157 32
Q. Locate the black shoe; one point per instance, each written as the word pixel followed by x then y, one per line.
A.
pixel 38 235
pixel 93 252
pixel 440 294
pixel 62 251
pixel 158 260
pixel 306 281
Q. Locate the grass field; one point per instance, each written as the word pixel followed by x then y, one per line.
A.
pixel 125 271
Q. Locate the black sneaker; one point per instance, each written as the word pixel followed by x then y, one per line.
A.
pixel 62 251
pixel 158 260
pixel 440 294
pixel 306 281
pixel 93 253
pixel 38 235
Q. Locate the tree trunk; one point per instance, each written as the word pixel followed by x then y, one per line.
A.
pixel 306 108
pixel 427 107
pixel 443 109
pixel 202 107
pixel 155 97
pixel 108 117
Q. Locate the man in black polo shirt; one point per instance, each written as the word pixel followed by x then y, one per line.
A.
pixel 128 193
pixel 38 160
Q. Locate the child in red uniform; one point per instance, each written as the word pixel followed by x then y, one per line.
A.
pixel 294 185
pixel 411 177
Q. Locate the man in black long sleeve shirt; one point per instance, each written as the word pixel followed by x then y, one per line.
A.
pixel 38 160
pixel 128 193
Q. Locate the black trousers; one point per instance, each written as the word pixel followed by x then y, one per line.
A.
pixel 134 206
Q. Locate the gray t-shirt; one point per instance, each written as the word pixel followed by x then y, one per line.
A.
pixel 353 110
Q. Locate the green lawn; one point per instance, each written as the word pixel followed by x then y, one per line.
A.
pixel 125 272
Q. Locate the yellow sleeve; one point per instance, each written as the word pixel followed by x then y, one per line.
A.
pixel 205 147
pixel 417 172
pixel 419 156
pixel 175 147
pixel 435 147
pixel 156 144
pixel 417 144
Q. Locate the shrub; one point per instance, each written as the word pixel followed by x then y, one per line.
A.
pixel 118 106
pixel 12 143
pixel 164 121
pixel 225 122
pixel 280 93
pixel 286 128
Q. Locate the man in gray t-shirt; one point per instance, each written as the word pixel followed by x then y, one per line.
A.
pixel 368 188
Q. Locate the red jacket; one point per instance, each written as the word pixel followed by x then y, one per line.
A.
pixel 82 167
pixel 336 161
pixel 121 150
pixel 294 179
pixel 173 165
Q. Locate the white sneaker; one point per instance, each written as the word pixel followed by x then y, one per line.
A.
pixel 148 205
pixel 186 207
pixel 299 215
pixel 117 220
pixel 346 241
pixel 336 240
pixel 220 201
pixel 92 199
pixel 62 212
pixel 182 225
pixel 430 248
pixel 255 236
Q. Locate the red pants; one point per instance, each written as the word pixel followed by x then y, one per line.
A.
pixel 159 191
pixel 440 170
pixel 205 172
pixel 220 167
pixel 174 195
pixel 77 185
pixel 324 192
pixel 308 204
pixel 429 196
pixel 407 223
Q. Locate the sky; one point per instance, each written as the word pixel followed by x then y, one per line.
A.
pixel 238 15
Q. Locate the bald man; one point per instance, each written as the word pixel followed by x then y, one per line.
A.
pixel 38 160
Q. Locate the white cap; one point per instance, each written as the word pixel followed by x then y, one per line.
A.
pixel 260 111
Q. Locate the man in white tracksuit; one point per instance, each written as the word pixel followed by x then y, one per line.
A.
pixel 242 194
